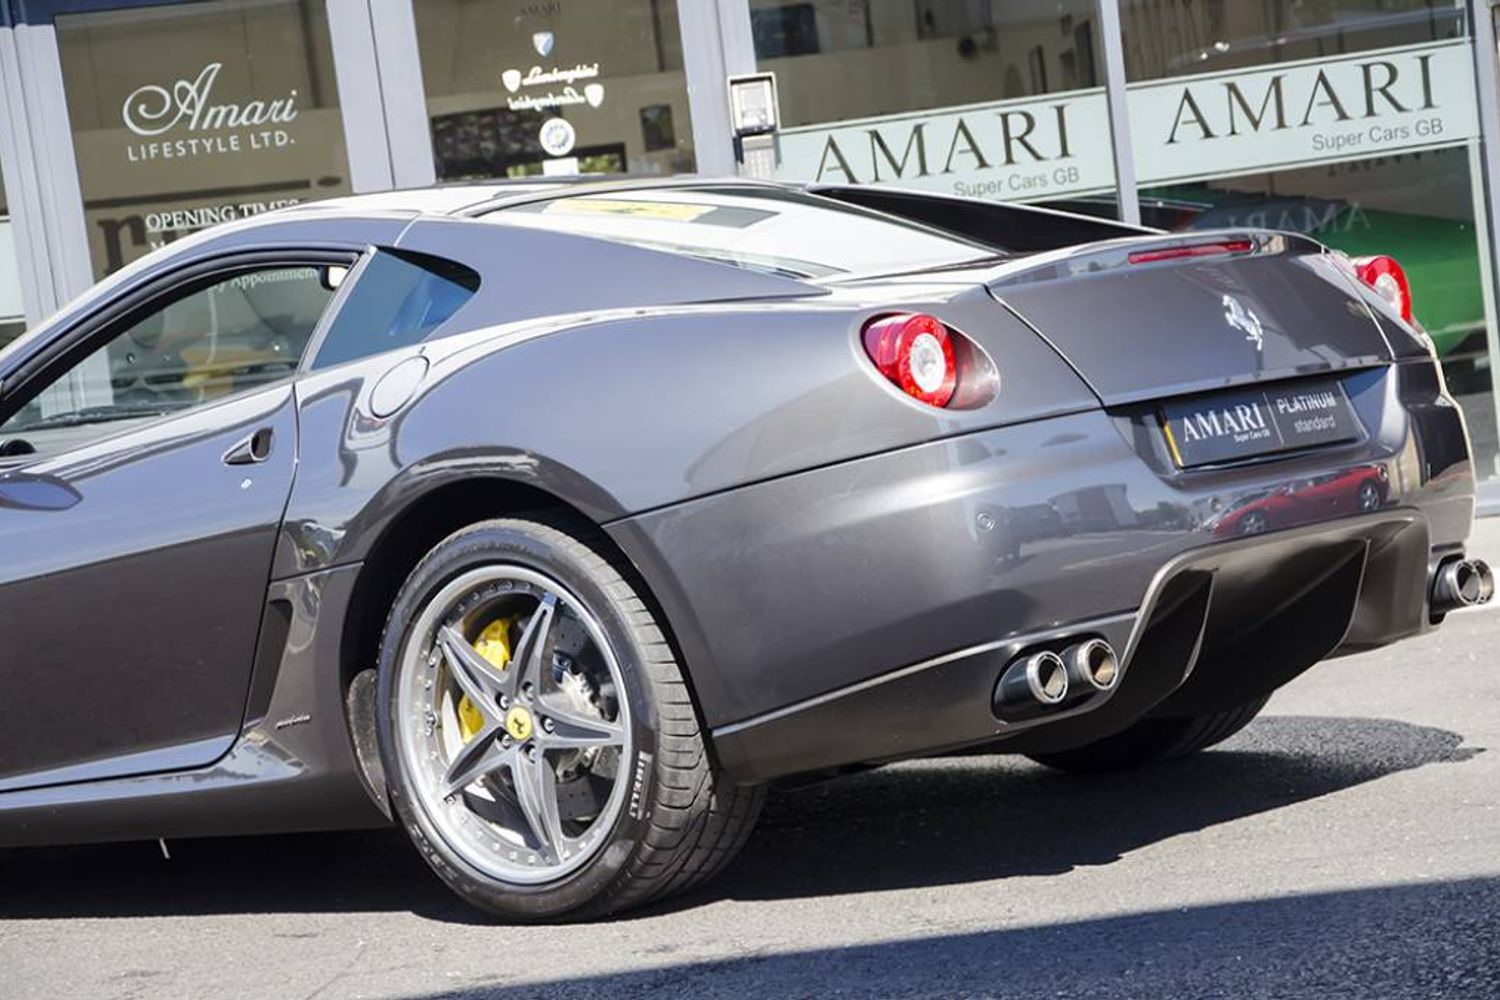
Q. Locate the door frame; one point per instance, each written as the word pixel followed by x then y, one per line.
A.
pixel 89 331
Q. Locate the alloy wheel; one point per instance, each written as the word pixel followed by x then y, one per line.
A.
pixel 513 723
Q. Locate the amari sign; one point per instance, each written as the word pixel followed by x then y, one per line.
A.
pixel 1009 150
pixel 1297 114
pixel 189 115
pixel 1189 128
pixel 191 122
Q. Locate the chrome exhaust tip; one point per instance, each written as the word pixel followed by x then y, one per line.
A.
pixel 1031 685
pixel 1092 666
pixel 1462 583
pixel 1486 580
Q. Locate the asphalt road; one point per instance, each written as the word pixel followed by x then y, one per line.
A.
pixel 1346 845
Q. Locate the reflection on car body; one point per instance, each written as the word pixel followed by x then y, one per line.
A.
pixel 579 512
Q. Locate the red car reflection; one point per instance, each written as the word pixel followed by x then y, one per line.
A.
pixel 1306 500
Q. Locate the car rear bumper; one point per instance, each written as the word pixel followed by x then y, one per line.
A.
pixel 1219 627
pixel 862 611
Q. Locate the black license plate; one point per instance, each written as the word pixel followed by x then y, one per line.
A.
pixel 1247 423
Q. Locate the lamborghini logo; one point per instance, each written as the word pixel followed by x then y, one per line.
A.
pixel 1241 318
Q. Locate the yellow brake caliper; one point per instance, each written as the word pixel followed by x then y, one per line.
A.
pixel 494 645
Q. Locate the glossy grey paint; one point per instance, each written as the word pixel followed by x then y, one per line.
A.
pixel 906 570
pixel 130 600
pixel 291 766
pixel 482 411
pixel 133 613
pixel 1149 330
pixel 1362 574
pixel 804 526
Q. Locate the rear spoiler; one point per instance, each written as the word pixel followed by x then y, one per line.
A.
pixel 1007 227
pixel 1155 248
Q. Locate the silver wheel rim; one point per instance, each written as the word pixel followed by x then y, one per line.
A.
pixel 532 793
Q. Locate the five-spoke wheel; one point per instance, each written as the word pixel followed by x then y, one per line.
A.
pixel 511 722
pixel 540 745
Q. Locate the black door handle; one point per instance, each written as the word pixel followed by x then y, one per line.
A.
pixel 252 451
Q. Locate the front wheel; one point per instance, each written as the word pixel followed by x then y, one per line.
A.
pixel 1151 741
pixel 543 751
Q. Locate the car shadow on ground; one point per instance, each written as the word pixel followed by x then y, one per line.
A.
pixel 1434 939
pixel 924 823
pixel 965 819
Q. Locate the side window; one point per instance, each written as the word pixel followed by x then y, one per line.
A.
pixel 228 337
pixel 398 299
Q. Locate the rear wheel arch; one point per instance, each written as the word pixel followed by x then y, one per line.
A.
pixel 424 522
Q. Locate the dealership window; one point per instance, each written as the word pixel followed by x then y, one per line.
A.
pixel 1351 120
pixel 188 115
pixel 12 313
pixel 517 88
pixel 993 100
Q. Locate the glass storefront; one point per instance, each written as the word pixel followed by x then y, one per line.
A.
pixel 1356 124
pixel 12 310
pixel 996 100
pixel 188 115
pixel 1355 121
pixel 835 60
pixel 517 88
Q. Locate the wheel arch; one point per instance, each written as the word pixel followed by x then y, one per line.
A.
pixel 409 535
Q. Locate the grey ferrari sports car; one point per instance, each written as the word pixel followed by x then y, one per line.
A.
pixel 552 522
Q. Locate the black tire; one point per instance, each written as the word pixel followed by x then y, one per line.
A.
pixel 1152 741
pixel 681 822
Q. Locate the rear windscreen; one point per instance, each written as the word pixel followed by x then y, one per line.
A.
pixel 776 230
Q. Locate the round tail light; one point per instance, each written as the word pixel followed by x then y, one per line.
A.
pixel 1387 277
pixel 915 352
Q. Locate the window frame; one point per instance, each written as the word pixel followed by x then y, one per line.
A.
pixel 357 268
pixel 52 359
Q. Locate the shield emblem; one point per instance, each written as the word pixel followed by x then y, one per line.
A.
pixel 543 41
pixel 512 79
pixel 594 94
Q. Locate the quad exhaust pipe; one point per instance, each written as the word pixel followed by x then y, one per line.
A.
pixel 1462 583
pixel 1039 682
pixel 1032 685
pixel 1092 667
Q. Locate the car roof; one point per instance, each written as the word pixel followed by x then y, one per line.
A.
pixel 441 199
pixel 475 198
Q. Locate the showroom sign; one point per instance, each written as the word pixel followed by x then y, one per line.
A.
pixel 191 123
pixel 1189 128
pixel 1009 150
pixel 183 117
pixel 1303 113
